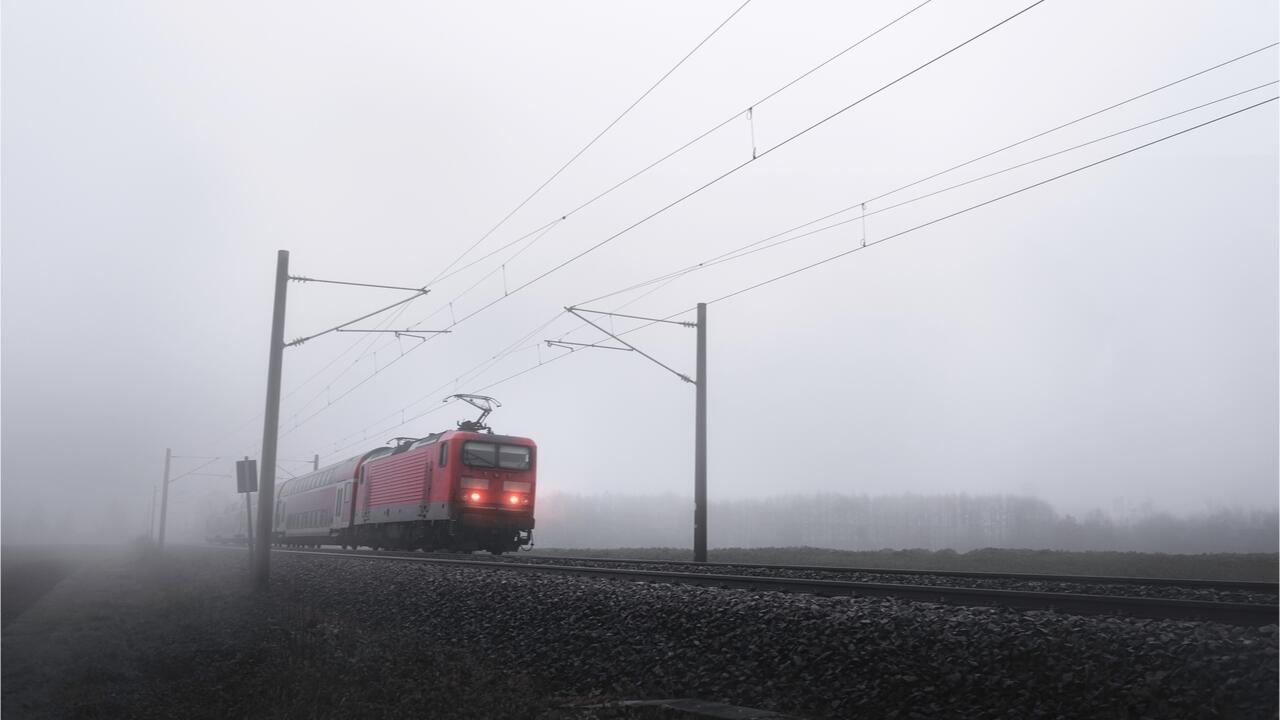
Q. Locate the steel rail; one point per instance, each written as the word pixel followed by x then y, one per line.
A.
pixel 1071 603
pixel 1260 586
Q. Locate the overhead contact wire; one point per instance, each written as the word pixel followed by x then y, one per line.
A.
pixel 722 176
pixel 593 140
pixel 709 131
pixel 1077 120
pixel 781 144
pixel 746 250
pixel 990 201
pixel 445 272
pixel 918 227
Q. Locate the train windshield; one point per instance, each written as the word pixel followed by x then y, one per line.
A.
pixel 486 454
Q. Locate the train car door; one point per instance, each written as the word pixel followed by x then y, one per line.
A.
pixel 346 490
pixel 362 489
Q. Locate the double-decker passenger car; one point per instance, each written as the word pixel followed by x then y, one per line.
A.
pixel 315 509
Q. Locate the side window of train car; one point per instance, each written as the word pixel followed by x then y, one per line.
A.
pixel 444 454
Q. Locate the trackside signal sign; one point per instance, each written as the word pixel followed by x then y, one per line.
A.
pixel 246 476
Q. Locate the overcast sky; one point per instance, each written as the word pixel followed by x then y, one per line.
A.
pixel 1104 340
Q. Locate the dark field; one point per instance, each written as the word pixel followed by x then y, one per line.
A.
pixel 29 573
pixel 1213 566
pixel 115 633
pixel 127 635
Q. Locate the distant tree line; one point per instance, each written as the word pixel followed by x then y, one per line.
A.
pixel 864 522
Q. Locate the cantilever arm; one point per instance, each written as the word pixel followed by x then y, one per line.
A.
pixel 651 358
pixel 570 345
pixel 336 328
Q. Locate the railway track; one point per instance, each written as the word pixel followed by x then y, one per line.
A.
pixel 1245 585
pixel 1168 588
pixel 1236 613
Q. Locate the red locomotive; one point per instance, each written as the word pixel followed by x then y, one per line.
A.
pixel 464 489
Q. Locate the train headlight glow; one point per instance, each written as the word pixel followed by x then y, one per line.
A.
pixel 514 500
pixel 475 497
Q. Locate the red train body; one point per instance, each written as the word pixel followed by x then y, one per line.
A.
pixel 456 490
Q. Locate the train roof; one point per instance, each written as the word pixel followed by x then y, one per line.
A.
pixel 489 436
pixel 337 472
pixel 347 469
pixel 464 434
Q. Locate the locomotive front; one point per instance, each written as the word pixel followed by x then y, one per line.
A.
pixel 495 483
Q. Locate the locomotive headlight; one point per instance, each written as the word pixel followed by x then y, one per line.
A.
pixel 475 497
pixel 514 500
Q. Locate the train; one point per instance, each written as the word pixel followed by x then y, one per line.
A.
pixel 458 490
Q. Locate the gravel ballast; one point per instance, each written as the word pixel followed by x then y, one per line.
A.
pixel 831 657
pixel 356 637
pixel 1167 592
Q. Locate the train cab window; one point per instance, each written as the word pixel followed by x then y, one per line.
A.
pixel 480 454
pixel 493 455
pixel 513 457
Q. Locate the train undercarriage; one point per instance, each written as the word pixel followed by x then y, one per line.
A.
pixel 428 535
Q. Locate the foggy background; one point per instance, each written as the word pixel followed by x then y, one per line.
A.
pixel 1107 342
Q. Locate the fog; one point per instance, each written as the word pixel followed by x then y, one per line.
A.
pixel 1107 340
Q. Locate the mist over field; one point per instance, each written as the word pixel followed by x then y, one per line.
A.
pixel 848 522
pixel 861 522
